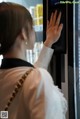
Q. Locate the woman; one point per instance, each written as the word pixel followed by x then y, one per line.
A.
pixel 38 98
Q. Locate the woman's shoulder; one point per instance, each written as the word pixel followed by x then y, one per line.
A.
pixel 46 76
pixel 41 74
pixel 37 77
pixel 33 84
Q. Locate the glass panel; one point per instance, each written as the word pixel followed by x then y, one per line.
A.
pixel 76 25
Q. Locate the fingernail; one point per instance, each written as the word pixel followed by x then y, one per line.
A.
pixel 62 25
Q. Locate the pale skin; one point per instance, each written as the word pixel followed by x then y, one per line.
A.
pixel 53 33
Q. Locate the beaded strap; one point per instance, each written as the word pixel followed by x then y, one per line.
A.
pixel 16 89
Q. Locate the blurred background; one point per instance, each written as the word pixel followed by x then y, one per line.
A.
pixel 65 63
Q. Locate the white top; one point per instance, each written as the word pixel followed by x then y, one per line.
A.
pixel 39 98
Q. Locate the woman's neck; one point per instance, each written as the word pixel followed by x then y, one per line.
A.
pixel 20 54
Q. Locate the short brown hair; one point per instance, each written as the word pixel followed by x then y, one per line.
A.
pixel 13 17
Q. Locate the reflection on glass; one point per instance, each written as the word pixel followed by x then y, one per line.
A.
pixel 32 55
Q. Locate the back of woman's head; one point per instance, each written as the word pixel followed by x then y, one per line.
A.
pixel 13 18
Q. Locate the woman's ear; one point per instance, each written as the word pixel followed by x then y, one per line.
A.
pixel 23 34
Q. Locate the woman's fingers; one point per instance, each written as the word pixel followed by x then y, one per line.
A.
pixel 60 28
pixel 54 18
pixel 47 24
pixel 51 18
pixel 58 19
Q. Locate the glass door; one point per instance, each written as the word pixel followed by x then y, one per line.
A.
pixel 76 48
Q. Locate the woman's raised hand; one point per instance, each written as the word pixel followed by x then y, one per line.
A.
pixel 54 29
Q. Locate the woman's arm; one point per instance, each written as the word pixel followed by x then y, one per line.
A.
pixel 44 57
pixel 53 33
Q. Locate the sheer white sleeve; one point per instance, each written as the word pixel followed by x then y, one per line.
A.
pixel 44 57
pixel 55 103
